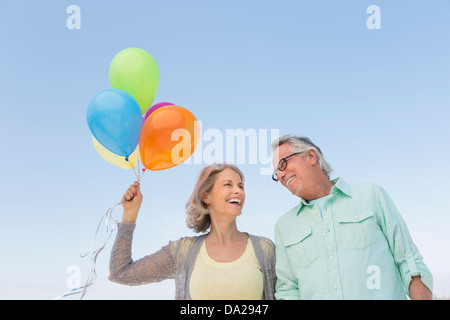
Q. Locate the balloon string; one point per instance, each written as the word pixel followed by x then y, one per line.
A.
pixel 137 172
pixel 93 254
pixel 132 167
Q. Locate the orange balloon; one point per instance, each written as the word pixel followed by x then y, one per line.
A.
pixel 168 137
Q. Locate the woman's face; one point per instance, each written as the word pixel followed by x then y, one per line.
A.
pixel 227 196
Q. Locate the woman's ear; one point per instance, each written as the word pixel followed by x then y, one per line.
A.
pixel 205 199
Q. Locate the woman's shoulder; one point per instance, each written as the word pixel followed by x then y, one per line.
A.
pixel 191 240
pixel 185 244
pixel 266 244
pixel 261 239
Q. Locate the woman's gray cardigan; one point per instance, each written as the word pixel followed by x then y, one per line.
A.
pixel 176 261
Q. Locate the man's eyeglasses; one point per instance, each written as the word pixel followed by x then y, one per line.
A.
pixel 282 164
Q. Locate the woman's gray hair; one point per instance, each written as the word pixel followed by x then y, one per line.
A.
pixel 198 217
pixel 303 145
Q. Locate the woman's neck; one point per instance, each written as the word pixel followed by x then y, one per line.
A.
pixel 223 232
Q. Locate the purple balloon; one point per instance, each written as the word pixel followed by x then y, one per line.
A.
pixel 156 106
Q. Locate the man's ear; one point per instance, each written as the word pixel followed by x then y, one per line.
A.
pixel 312 157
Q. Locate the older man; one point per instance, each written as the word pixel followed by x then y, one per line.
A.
pixel 341 241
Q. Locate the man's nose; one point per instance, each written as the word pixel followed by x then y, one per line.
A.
pixel 280 175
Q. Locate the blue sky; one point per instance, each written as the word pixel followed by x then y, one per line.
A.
pixel 375 101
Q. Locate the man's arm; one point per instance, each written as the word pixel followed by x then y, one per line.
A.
pixel 406 255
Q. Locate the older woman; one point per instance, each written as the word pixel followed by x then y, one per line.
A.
pixel 224 263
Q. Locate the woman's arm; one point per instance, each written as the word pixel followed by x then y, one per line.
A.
pixel 152 268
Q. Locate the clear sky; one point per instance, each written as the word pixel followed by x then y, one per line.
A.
pixel 376 101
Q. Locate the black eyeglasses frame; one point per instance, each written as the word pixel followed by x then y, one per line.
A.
pixel 282 164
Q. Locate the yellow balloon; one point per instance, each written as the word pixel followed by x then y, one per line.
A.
pixel 115 159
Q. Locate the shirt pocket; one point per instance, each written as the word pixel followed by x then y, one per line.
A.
pixel 356 230
pixel 300 248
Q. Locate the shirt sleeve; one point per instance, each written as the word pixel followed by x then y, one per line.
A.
pixel 152 268
pixel 286 285
pixel 406 255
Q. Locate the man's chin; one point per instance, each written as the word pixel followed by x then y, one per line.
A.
pixel 295 190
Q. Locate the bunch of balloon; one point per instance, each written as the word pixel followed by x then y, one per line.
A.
pixel 126 127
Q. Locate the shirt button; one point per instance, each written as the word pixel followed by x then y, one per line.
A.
pixel 335 286
pixel 331 258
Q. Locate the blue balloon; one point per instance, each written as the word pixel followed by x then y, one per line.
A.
pixel 115 120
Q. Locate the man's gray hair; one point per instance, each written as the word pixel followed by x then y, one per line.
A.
pixel 303 145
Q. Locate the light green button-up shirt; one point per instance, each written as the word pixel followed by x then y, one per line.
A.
pixel 356 247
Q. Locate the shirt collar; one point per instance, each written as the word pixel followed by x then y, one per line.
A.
pixel 339 186
pixel 342 186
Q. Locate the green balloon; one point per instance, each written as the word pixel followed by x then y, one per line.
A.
pixel 135 71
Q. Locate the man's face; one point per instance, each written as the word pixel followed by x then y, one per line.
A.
pixel 297 177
